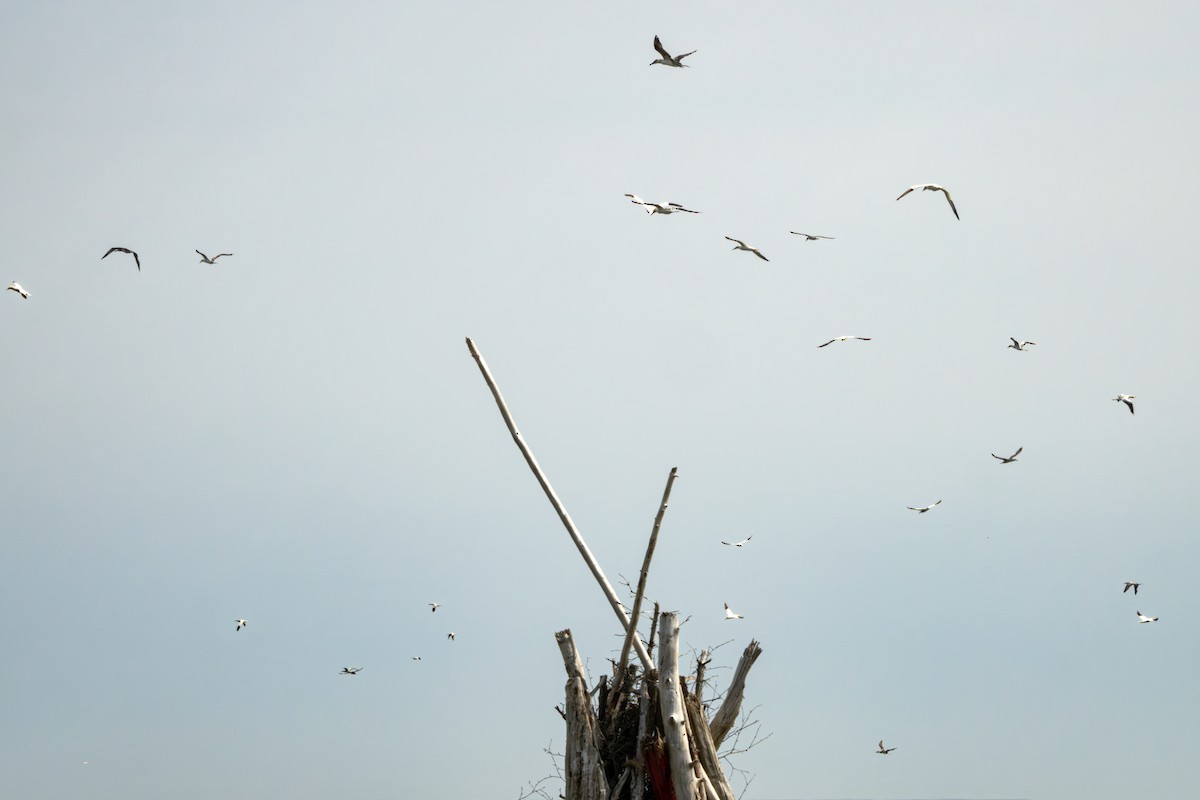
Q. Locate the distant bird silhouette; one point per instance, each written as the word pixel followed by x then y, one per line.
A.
pixel 729 613
pixel 844 339
pixel 667 59
pixel 882 751
pixel 811 237
pixel 450 636
pixel 1142 618
pixel 743 246
pixel 112 250
pixel 1129 584
pixel 206 260
pixel 933 187
pixel 434 606
pixel 659 208
pixel 350 670
pixel 16 287
pixel 738 544
pixel 923 509
pixel 1125 398
pixel 241 623
pixel 1011 458
pixel 1019 345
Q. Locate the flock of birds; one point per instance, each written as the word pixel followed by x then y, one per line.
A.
pixel 668 60
pixel 433 607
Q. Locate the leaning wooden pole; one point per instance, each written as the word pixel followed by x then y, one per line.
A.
pixel 568 523
pixel 641 587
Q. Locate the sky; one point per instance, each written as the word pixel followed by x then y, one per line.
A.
pixel 298 436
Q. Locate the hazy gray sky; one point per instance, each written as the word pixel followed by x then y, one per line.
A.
pixel 298 436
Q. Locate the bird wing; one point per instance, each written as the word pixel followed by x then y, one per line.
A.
pixel 906 191
pixel 938 503
pixel 831 341
pixel 218 255
pixel 950 201
pixel 636 199
pixel 739 241
pixel 863 338
pixel 731 544
pixel 760 255
pixel 1135 587
pixel 661 51
pixel 881 744
pixel 202 255
pixel 678 207
pixel 910 508
pixel 1019 449
pixel 1126 402
pixel 136 260
pixel 112 250
pixel 685 55
pixel 1126 589
pixel 996 456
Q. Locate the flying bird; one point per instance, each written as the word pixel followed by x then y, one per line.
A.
pixel 350 670
pixel 1020 345
pixel 729 613
pixel 1011 458
pixel 1125 398
pixel 450 636
pixel 1129 584
pixel 844 339
pixel 667 59
pixel 925 508
pixel 434 606
pixel 933 187
pixel 416 658
pixel 16 287
pixel 811 237
pixel 112 250
pixel 659 208
pixel 738 544
pixel 882 751
pixel 1142 618
pixel 241 623
pixel 206 260
pixel 743 246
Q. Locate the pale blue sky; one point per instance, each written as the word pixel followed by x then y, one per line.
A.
pixel 298 436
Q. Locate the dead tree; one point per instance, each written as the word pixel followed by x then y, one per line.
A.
pixel 646 737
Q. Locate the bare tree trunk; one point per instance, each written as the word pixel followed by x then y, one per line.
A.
pixel 641 587
pixel 639 772
pixel 701 666
pixel 674 715
pixel 567 522
pixel 584 767
pixel 706 750
pixel 726 716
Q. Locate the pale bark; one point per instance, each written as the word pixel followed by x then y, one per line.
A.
pixel 641 587
pixel 567 522
pixel 706 749
pixel 726 716
pixel 585 778
pixel 639 770
pixel 674 715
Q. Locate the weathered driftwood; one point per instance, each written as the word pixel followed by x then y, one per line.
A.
pixel 639 765
pixel 723 721
pixel 568 523
pixel 706 750
pixel 701 666
pixel 641 587
pixel 584 763
pixel 674 715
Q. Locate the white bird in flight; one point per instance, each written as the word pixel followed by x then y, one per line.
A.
pixel 923 509
pixel 434 606
pixel 738 544
pixel 882 751
pixel 1020 345
pixel 844 339
pixel 350 670
pixel 811 237
pixel 933 187
pixel 1125 398
pixel 1011 458
pixel 743 246
pixel 1142 618
pixel 659 208
pixel 206 260
pixel 1129 584
pixel 112 250
pixel 416 658
pixel 729 613
pixel 667 59
pixel 241 623
pixel 16 287
pixel 450 636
